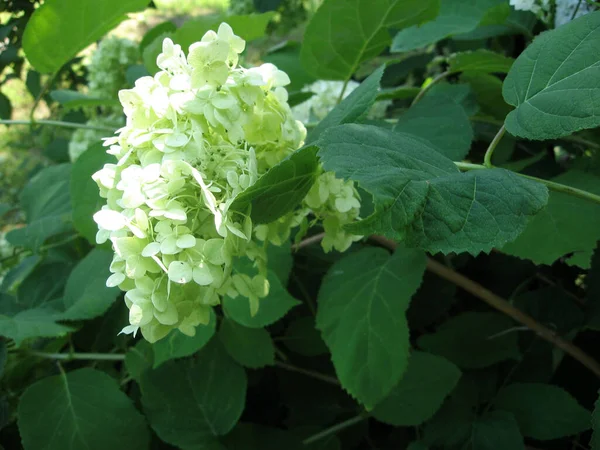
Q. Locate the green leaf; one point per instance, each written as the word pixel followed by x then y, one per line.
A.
pixel 344 33
pixel 5 107
pixel 152 34
pixel 473 340
pixel 178 345
pixel 361 315
pixel 481 60
pixel 139 358
pixel 272 308
pixel 250 347
pixel 75 99
pixel 462 94
pixel 83 409
pixel 280 261
pixel 567 225
pixel 51 39
pixel 44 284
pixel 420 393
pixel 85 197
pixel 441 121
pixel 488 93
pixel 151 51
pixel 455 17
pixel 247 26
pixel 495 430
pixel 281 189
pixel 555 82
pixel 15 276
pixel 3 355
pixel 421 196
pixel 543 411
pixel 416 445
pixel 352 107
pixel 30 323
pixel 302 337
pixel 46 202
pixel 86 294
pixel 250 26
pixel 190 401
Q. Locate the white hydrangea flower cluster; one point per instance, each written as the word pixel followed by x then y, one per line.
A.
pixel 566 8
pixel 108 66
pixel 538 7
pixel 84 138
pixel 106 76
pixel 325 98
pixel 198 133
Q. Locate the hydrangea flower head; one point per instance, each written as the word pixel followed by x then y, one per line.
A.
pixel 198 133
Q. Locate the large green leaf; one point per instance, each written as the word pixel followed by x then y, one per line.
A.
pixel 496 430
pixel 555 82
pixel 420 196
pixel 361 315
pixel 420 392
pixel 487 90
pixel 455 17
pixel 85 197
pixel 479 61
pixel 251 347
pixel 47 205
pixel 83 409
pixel 442 121
pixel 281 189
pixel 352 107
pixel 567 225
pixel 543 411
pixel 5 107
pixel 178 345
pixel 59 29
pixel 189 402
pixel 344 33
pixel 247 26
pixel 86 294
pixel 473 340
pixel 30 323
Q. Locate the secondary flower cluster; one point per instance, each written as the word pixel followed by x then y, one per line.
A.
pixel 106 76
pixel 326 95
pixel 198 133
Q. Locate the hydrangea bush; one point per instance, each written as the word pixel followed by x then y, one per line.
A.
pixel 198 133
pixel 227 265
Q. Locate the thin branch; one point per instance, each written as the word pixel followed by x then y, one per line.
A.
pixel 334 429
pixel 309 373
pixel 424 91
pixel 342 92
pixel 79 356
pixel 487 159
pixel 57 123
pixel 505 307
pixel 550 184
pixel 308 241
pixel 573 138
